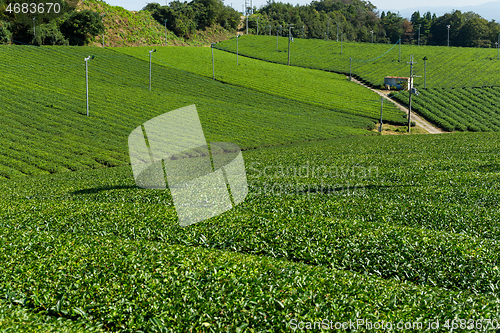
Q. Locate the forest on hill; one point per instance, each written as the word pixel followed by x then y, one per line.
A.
pixel 350 20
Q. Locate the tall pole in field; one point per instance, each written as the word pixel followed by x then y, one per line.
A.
pixel 87 80
pixel 237 38
pixel 381 110
pixel 150 67
pixel 290 27
pixel 166 42
pixel 372 36
pixel 302 32
pixel 337 32
pixel 34 31
pixel 448 26
pixel 410 83
pixel 102 15
pixel 213 63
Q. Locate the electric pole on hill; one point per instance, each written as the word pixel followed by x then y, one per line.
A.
pixel 246 12
pixel 290 27
pixel 411 90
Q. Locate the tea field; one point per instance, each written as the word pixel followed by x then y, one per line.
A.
pixel 46 130
pixel 327 90
pixel 460 109
pixel 461 83
pixel 447 67
pixel 393 228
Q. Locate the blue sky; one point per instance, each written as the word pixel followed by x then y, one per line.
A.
pixel 381 4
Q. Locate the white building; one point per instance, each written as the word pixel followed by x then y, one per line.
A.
pixel 398 81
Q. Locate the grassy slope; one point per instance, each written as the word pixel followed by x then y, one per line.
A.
pixel 452 109
pixel 43 109
pixel 126 28
pixel 415 240
pixel 327 90
pixel 447 67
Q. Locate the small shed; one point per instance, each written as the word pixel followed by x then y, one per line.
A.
pixel 398 81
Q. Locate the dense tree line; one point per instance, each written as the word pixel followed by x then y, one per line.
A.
pixel 64 27
pixel 185 18
pixel 358 20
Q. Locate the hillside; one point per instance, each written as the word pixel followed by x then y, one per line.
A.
pixel 327 90
pixel 47 130
pixel 458 86
pixel 410 235
pixel 127 28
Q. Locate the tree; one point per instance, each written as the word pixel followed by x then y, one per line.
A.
pixel 80 27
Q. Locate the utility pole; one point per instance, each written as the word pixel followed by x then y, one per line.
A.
pixel 302 32
pixel 337 32
pixel 87 80
pixel 381 110
pixel 290 27
pixel 448 26
pixel 213 64
pixel 34 31
pixel 246 13
pixel 411 90
pixel 372 36
pixel 150 67
pixel 419 34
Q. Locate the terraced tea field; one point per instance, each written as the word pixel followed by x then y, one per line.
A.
pixel 381 228
pixel 327 90
pixel 462 109
pixel 46 130
pixel 447 67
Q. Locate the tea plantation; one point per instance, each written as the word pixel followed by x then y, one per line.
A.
pixel 460 84
pixel 447 67
pixel 381 228
pixel 339 224
pixel 46 130
pixel 328 90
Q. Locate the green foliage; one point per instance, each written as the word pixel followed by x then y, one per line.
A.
pixel 185 18
pixel 446 68
pixel 466 109
pixel 80 27
pixel 43 108
pixel 413 241
pixel 21 24
pixel 49 34
pixel 5 34
pixel 330 91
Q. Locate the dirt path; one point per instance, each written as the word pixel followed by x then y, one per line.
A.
pixel 419 121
